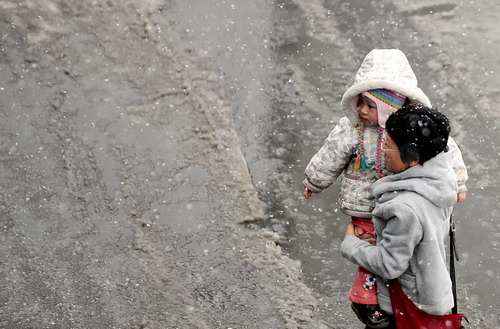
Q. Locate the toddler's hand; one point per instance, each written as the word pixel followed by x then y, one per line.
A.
pixel 307 193
pixel 461 196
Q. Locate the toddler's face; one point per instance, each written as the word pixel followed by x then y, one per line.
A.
pixel 367 111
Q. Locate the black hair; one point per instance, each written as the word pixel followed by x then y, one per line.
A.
pixel 419 132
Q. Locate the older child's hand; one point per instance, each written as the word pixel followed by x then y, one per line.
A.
pixel 307 193
pixel 461 196
pixel 357 231
pixel 363 235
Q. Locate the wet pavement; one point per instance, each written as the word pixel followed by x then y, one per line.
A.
pixel 117 196
pixel 288 67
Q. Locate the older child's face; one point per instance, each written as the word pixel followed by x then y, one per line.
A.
pixel 393 161
pixel 367 110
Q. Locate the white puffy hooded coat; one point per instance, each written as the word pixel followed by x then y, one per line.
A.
pixel 381 69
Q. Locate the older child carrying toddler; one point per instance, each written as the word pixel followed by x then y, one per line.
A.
pixel 353 150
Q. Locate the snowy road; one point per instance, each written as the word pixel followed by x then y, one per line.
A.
pixel 152 154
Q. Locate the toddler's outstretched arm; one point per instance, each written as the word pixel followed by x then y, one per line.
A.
pixel 331 159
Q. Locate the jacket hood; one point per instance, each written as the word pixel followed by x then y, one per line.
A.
pixel 434 180
pixel 383 69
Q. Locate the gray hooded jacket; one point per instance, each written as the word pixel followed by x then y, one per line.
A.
pixel 411 219
pixel 381 69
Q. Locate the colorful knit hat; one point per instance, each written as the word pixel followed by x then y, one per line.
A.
pixel 387 102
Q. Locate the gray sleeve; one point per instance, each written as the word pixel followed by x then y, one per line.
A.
pixel 393 252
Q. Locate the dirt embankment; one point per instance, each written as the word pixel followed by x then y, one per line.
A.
pixel 124 183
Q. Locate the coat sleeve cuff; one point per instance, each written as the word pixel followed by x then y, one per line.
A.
pixel 311 187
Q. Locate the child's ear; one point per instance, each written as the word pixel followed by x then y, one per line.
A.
pixel 410 151
pixel 414 163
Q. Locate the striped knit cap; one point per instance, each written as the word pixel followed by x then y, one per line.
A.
pixel 387 102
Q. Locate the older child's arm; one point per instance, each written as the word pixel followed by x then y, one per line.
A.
pixel 331 159
pixel 391 256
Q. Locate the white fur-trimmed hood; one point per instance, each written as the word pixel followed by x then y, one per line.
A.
pixel 383 69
